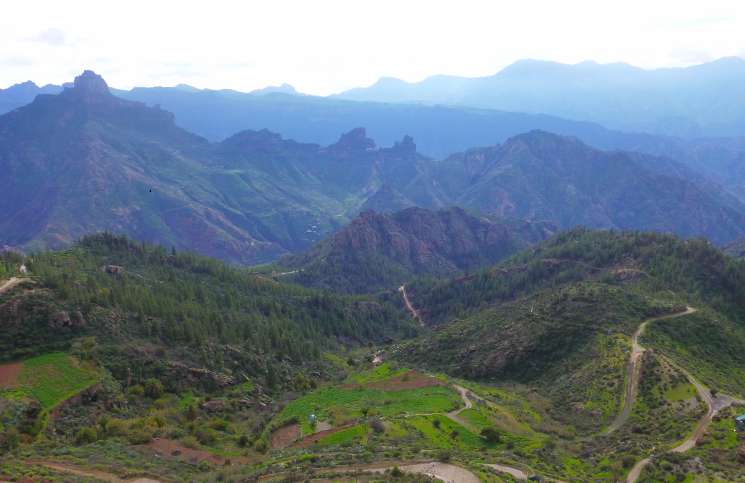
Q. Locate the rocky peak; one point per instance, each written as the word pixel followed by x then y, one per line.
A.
pixel 405 146
pixel 356 140
pixel 90 85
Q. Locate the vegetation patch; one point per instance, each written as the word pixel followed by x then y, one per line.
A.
pixel 56 377
pixel 340 405
pixel 342 436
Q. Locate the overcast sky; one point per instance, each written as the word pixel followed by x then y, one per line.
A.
pixel 325 46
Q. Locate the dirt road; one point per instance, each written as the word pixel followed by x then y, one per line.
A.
pixel 467 404
pixel 10 283
pixel 442 471
pixel 89 473
pixel 508 470
pixel 414 312
pixel 633 372
pixel 637 470
pixel 713 405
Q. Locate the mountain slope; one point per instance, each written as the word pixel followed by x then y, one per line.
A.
pixel 85 161
pixel 201 312
pixel 439 130
pixel 695 101
pixel 377 251
pixel 558 318
pixel 547 177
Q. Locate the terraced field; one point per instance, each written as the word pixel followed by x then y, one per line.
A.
pixel 49 379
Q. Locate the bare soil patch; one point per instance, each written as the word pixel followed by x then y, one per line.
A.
pixel 9 374
pixel 285 436
pixel 407 380
pixel 169 448
pixel 89 473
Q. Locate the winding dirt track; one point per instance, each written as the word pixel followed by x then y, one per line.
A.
pixel 633 372
pixel 10 283
pixel 513 472
pixel 442 471
pixel 414 312
pixel 713 405
pixel 88 473
pixel 467 404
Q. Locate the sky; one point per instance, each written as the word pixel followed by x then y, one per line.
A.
pixel 327 46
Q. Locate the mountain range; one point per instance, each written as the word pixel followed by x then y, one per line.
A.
pixel 85 160
pixel 697 101
pixel 439 130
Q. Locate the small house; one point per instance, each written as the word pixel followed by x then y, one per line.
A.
pixel 740 423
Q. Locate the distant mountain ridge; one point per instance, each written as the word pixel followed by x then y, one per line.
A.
pixel 696 101
pixel 381 251
pixel 544 176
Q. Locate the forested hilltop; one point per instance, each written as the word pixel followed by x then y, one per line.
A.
pixel 152 310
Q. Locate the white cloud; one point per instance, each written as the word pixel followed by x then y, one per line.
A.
pixel 326 46
pixel 51 36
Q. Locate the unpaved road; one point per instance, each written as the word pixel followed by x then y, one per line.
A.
pixel 442 471
pixel 713 405
pixel 637 470
pixel 633 372
pixel 414 312
pixel 90 473
pixel 10 283
pixel 516 473
pixel 467 404
pixel 705 395
pixel 513 472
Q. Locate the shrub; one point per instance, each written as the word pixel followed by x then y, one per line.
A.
pixel 190 442
pixel 491 435
pixel 86 435
pixel 10 440
pixel 205 435
pixel 219 424
pixel 136 390
pixel 443 456
pixel 153 388
pixel 377 425
pixel 191 412
pixel 115 427
pixel 140 436
pixel 261 445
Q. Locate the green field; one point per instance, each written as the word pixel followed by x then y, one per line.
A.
pixel 441 432
pixel 340 404
pixel 351 435
pixel 380 373
pixel 53 378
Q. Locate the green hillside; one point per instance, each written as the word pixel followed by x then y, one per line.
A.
pixel 139 361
